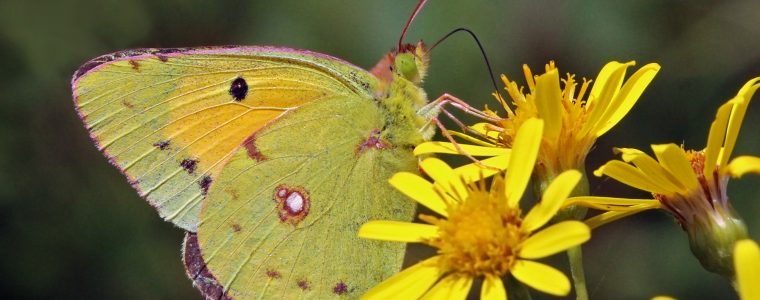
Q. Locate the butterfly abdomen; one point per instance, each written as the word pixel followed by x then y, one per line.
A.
pixel 400 108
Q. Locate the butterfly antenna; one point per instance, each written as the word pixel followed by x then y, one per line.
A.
pixel 416 11
pixel 482 52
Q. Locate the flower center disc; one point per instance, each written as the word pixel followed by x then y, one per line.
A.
pixel 479 237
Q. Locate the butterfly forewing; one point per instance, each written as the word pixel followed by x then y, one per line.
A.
pixel 170 119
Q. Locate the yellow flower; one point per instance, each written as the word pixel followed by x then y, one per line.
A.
pixel 481 231
pixel 747 264
pixel 573 121
pixel 690 185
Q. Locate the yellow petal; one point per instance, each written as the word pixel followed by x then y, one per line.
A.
pixel 408 284
pixel 444 176
pixel 747 89
pixel 627 97
pixel 419 190
pixel 523 159
pixel 611 216
pixel 552 200
pixel 556 238
pixel 629 175
pixel 747 266
pixel 657 174
pixel 450 287
pixel 607 203
pixel 493 289
pixel 601 80
pixel 541 277
pixel 603 94
pixel 737 116
pixel 715 139
pixel 473 140
pixel 628 154
pixel 743 165
pixel 673 158
pixel 663 298
pixel 549 104
pixel 398 231
pixel 448 148
pixel 438 170
pixel 473 172
pixel 483 128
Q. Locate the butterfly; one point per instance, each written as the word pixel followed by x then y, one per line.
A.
pixel 269 157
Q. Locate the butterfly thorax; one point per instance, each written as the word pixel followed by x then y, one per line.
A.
pixel 404 103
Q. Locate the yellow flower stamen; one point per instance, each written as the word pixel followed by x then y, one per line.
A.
pixel 529 77
pixel 570 135
pixel 575 114
pixel 481 235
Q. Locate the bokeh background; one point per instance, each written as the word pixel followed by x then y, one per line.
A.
pixel 71 226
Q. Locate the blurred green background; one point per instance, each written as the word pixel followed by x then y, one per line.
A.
pixel 71 226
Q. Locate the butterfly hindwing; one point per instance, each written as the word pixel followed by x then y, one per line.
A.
pixel 171 118
pixel 282 218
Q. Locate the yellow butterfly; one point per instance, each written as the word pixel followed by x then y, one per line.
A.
pixel 270 158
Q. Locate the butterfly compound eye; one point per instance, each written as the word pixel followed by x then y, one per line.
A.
pixel 406 66
pixel 239 89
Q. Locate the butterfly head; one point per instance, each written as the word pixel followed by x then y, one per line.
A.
pixel 409 62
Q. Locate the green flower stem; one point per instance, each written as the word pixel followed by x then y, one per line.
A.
pixel 575 255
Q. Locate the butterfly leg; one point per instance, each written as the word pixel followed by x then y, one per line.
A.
pixel 447 99
pixel 445 132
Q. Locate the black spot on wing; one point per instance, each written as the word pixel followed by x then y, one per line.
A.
pixel 135 65
pixel 303 284
pixel 205 183
pixel 239 89
pixel 189 165
pixel 340 288
pixel 162 145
